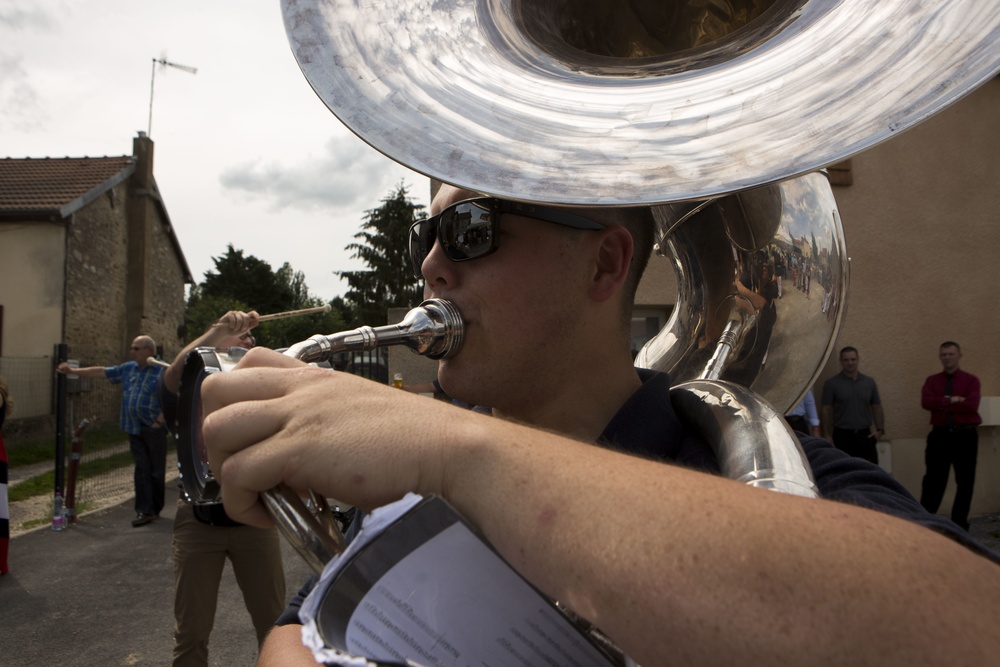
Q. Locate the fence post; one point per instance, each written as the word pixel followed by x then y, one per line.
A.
pixel 61 353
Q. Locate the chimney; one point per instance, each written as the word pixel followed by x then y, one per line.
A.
pixel 141 218
pixel 142 149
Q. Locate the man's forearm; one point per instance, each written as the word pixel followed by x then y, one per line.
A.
pixel 711 563
pixel 88 372
pixel 283 648
pixel 172 376
pixel 826 421
pixel 678 567
pixel 878 416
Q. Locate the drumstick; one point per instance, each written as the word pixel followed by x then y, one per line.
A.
pixel 294 313
pixel 157 362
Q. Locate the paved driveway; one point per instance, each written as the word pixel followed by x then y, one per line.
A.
pixel 101 593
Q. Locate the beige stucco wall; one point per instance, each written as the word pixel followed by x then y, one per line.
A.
pixel 31 292
pixel 922 222
pixel 31 287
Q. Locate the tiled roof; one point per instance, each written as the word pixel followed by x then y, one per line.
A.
pixel 58 185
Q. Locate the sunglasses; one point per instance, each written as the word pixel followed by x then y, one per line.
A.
pixel 468 230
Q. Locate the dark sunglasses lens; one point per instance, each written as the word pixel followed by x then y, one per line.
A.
pixel 467 233
pixel 421 241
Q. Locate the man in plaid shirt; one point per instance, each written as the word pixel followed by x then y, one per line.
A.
pixel 142 419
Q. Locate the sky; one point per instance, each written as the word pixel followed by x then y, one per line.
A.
pixel 244 151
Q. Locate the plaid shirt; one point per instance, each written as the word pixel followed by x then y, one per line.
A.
pixel 140 394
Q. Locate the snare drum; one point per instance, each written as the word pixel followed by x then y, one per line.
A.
pixel 199 484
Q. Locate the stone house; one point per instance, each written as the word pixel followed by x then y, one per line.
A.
pixel 89 258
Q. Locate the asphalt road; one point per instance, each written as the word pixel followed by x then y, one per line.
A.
pixel 101 593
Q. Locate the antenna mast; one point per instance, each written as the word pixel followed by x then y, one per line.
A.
pixel 163 62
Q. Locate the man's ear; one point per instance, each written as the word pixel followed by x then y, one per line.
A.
pixel 612 261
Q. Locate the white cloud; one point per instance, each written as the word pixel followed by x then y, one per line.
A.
pixel 245 153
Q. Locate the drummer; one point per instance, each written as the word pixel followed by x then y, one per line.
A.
pixel 204 536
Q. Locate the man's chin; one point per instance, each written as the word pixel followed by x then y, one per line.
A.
pixel 457 380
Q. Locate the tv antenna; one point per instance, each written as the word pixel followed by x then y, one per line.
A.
pixel 163 63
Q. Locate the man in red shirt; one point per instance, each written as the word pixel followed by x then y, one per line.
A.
pixel 952 396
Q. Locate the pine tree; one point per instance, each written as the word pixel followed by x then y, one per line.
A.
pixel 388 282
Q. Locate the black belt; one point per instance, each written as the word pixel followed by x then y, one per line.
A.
pixel 957 427
pixel 855 431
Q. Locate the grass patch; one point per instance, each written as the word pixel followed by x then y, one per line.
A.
pixel 47 518
pixel 31 523
pixel 40 451
pixel 43 484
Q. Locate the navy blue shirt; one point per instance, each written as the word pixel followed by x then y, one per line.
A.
pixel 647 426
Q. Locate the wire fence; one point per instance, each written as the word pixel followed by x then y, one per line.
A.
pixel 97 463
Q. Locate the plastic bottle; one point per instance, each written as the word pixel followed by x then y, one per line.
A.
pixel 58 513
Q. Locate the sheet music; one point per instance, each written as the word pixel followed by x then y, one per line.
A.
pixel 450 601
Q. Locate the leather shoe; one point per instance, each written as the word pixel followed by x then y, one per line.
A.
pixel 142 520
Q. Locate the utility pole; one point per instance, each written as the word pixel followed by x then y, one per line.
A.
pixel 163 62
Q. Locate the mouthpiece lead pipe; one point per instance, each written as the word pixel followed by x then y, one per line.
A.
pixel 433 329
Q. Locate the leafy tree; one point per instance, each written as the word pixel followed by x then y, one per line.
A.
pixel 251 281
pixel 248 283
pixel 288 331
pixel 388 282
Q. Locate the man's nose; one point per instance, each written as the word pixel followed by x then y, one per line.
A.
pixel 437 269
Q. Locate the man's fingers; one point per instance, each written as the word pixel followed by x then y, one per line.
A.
pixel 260 375
pixel 261 357
pixel 241 490
pixel 238 322
pixel 244 410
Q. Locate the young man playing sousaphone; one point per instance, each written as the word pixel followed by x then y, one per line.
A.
pixel 692 568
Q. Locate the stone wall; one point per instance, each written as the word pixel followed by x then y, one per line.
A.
pixel 97 272
pixel 164 311
pixel 95 280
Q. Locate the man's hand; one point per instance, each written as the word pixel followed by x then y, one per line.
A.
pixel 236 323
pixel 89 372
pixel 274 419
